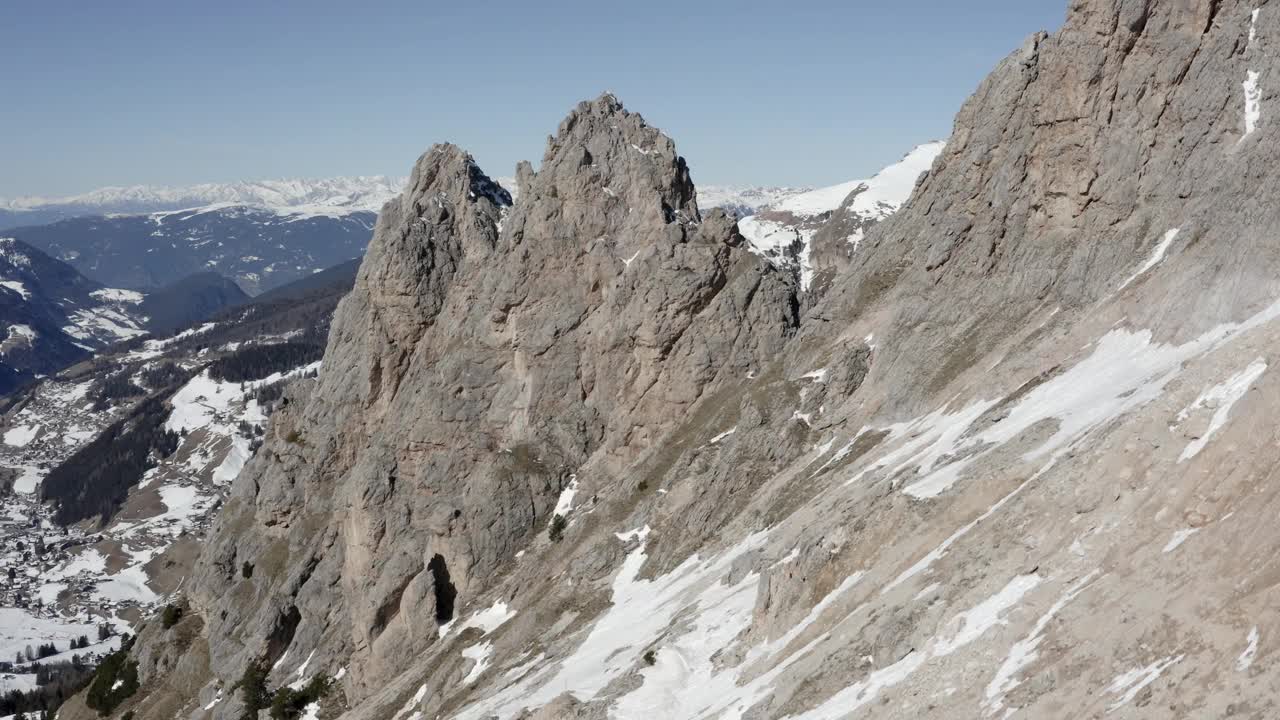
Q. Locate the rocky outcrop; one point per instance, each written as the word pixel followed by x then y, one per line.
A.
pixel 486 357
pixel 991 471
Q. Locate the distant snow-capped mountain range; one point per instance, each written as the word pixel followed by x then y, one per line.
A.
pixel 260 234
pixel 329 196
pixel 311 197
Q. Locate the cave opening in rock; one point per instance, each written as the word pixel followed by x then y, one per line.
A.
pixel 446 593
pixel 282 632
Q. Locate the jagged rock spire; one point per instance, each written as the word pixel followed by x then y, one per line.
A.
pixel 486 356
pixel 608 174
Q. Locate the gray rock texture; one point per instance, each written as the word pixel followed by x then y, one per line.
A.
pixel 485 355
pixel 1016 460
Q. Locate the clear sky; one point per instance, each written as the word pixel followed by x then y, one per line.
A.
pixel 179 92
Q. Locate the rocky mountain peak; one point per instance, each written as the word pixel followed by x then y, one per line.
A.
pixel 488 360
pixel 610 175
pixel 446 174
pixel 448 213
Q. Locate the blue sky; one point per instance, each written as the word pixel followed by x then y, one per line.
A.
pixel 798 93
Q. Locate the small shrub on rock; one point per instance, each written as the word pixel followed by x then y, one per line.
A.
pixel 115 681
pixel 288 703
pixel 172 614
pixel 253 689
pixel 556 531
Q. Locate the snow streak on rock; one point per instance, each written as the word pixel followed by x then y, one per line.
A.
pixel 1252 102
pixel 1125 371
pixel 1025 651
pixel 1222 398
pixel 1129 684
pixel 641 612
pixel 1245 661
pixel 1156 256
pixel 963 629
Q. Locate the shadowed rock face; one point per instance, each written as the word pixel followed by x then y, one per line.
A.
pixel 994 467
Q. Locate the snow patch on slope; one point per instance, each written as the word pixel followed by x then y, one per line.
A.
pixel 17 287
pixel 890 188
pixel 1223 397
pixel 117 295
pixel 1125 371
pixel 21 435
pixel 1130 683
pixel 962 630
pixel 565 503
pixel 776 240
pixel 1178 538
pixel 641 611
pixel 1025 651
pixel 487 620
pixel 1245 661
pixel 879 196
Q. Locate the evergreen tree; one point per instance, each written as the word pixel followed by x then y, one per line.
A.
pixel 253 689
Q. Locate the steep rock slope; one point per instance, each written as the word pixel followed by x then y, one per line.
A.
pixel 992 473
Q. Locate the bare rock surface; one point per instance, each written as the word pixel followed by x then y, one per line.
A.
pixel 1016 460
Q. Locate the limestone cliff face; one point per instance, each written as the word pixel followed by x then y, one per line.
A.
pixel 486 354
pixel 1066 167
pixel 994 468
